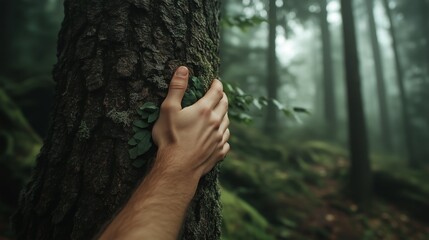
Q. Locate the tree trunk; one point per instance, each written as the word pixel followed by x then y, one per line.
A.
pixel 8 26
pixel 408 130
pixel 360 170
pixel 424 8
pixel 328 76
pixel 113 56
pixel 386 137
pixel 271 121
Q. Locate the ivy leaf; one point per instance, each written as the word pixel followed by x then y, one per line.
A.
pixel 133 153
pixel 143 147
pixel 149 107
pixel 153 117
pixel 132 142
pixel 141 124
pixel 139 162
pixel 142 135
pixel 143 114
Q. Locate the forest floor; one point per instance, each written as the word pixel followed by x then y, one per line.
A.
pixel 297 191
pixel 300 192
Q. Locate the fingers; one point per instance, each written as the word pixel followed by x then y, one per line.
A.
pixel 177 88
pixel 224 124
pixel 222 107
pixel 225 137
pixel 213 95
pixel 217 156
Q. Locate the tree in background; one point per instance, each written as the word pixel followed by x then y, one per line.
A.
pixel 408 130
pixel 360 170
pixel 330 108
pixel 272 82
pixel 112 57
pixel 386 137
pixel 413 24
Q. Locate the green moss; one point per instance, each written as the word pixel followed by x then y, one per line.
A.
pixel 242 221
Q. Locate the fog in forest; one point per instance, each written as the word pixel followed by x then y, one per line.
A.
pixel 332 139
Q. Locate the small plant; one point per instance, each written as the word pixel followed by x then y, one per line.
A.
pixel 240 104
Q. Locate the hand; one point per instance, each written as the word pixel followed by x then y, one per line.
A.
pixel 194 138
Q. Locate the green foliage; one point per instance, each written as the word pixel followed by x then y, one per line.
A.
pixel 241 220
pixel 242 22
pixel 142 141
pixel 240 104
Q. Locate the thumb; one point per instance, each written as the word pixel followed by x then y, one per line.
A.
pixel 178 86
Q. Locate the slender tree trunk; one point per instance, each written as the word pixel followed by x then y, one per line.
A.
pixel 360 170
pixel 271 120
pixel 328 76
pixel 7 26
pixel 113 56
pixel 381 88
pixel 408 130
pixel 424 8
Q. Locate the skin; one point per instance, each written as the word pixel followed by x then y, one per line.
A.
pixel 190 142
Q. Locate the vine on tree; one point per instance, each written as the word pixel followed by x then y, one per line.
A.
pixel 240 104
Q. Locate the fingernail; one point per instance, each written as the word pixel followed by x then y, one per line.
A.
pixel 182 71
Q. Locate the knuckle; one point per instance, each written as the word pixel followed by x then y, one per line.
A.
pixel 216 120
pixel 205 110
pixel 166 106
pixel 218 87
pixel 174 84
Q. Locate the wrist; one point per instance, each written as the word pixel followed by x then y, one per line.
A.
pixel 170 170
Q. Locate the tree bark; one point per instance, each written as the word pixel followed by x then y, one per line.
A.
pixel 114 55
pixel 408 130
pixel 271 119
pixel 360 170
pixel 386 138
pixel 328 76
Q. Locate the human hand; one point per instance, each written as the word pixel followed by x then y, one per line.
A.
pixel 193 139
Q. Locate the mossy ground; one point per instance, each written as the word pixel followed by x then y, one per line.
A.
pixel 300 191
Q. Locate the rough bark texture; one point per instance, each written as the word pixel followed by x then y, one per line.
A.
pixel 360 171
pixel 408 130
pixel 328 76
pixel 271 121
pixel 114 55
pixel 379 73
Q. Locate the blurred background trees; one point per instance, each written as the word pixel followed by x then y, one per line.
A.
pixel 307 175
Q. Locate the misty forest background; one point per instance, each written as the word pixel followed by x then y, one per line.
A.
pixel 352 160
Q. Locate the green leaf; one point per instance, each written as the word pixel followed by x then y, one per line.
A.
pixel 263 101
pixel 301 110
pixel 288 113
pixel 133 153
pixel 239 91
pixel 257 104
pixel 142 135
pixel 149 107
pixel 139 162
pixel 143 114
pixel 279 105
pixel 143 147
pixel 141 124
pixel 132 142
pixel 153 117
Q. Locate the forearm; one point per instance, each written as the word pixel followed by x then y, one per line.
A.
pixel 157 208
